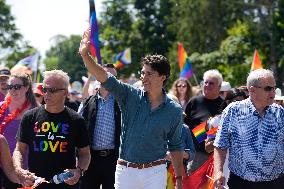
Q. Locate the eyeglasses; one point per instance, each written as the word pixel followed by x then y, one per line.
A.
pixel 51 90
pixel 16 87
pixel 209 83
pixel 148 74
pixel 183 86
pixel 267 88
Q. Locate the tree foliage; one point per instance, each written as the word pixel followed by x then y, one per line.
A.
pixel 64 55
pixel 216 35
pixel 8 31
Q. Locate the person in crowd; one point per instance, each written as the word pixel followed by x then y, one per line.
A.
pixel 4 76
pixel 189 150
pixel 103 118
pixel 53 135
pixel 151 123
pixel 6 162
pixel 38 94
pixel 202 107
pixel 19 99
pixel 182 89
pixel 253 132
pixel 279 99
pixel 196 91
pixel 70 102
pixel 232 95
pixel 225 87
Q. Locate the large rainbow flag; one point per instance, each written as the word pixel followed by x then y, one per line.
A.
pixel 184 63
pixel 202 178
pixel 123 58
pixel 256 62
pixel 94 38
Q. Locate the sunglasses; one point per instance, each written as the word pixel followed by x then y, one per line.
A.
pixel 267 88
pixel 16 87
pixel 51 90
pixel 183 86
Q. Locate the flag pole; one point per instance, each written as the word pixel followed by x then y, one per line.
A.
pixel 36 71
pixel 195 79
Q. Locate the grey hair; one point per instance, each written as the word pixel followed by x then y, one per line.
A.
pixel 59 74
pixel 213 74
pixel 254 77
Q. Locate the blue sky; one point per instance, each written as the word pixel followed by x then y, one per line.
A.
pixel 40 20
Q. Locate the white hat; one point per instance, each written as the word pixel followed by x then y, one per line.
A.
pixel 225 86
pixel 278 94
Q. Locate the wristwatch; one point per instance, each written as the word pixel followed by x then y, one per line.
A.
pixel 81 170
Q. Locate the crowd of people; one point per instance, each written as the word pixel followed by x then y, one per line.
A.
pixel 119 135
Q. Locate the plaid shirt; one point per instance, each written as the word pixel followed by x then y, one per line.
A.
pixel 255 143
pixel 105 124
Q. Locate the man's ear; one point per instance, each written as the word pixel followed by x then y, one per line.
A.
pixel 164 78
pixel 251 89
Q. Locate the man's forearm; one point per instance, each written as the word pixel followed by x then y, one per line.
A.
pixel 84 158
pixel 219 159
pixel 177 159
pixel 18 159
pixel 94 68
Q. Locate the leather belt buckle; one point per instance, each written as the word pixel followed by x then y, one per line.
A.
pixel 140 166
pixel 104 153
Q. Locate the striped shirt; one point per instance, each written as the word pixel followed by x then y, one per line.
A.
pixel 255 143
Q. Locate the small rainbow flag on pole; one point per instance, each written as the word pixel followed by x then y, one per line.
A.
pixel 200 132
pixel 94 38
pixel 184 63
pixel 123 58
pixel 256 63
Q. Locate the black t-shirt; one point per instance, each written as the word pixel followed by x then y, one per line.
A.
pixel 52 139
pixel 200 109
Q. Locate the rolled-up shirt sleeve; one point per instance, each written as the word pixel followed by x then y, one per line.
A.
pixel 121 91
pixel 222 139
pixel 175 142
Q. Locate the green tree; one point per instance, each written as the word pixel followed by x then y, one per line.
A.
pixel 64 55
pixel 8 31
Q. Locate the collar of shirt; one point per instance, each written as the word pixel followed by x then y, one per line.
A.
pixel 165 97
pixel 268 109
pixel 108 97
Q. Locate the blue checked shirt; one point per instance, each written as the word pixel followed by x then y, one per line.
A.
pixel 255 143
pixel 105 124
pixel 145 134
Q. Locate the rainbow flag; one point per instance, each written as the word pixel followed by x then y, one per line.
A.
pixel 212 132
pixel 94 38
pixel 184 63
pixel 200 132
pixel 202 178
pixel 256 62
pixel 123 58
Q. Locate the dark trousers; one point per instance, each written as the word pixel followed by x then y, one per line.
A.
pixel 235 182
pixel 101 171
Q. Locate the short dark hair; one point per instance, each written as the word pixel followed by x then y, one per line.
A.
pixel 108 65
pixel 158 63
